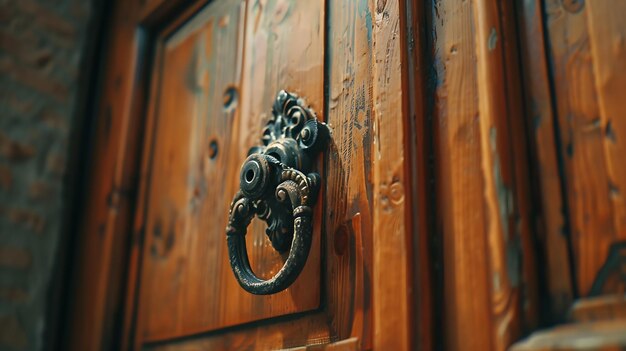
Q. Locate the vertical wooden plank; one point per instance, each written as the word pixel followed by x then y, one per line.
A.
pixel 607 35
pixel 367 189
pixel 461 222
pixel 586 56
pixel 503 247
pixel 540 119
pixel 523 219
pixel 418 143
pixel 392 240
pixel 483 209
pixel 348 196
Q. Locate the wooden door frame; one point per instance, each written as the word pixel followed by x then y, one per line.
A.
pixel 102 298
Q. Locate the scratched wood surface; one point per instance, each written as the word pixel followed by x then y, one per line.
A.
pixel 588 54
pixel 483 215
pixel 209 109
pixel 392 254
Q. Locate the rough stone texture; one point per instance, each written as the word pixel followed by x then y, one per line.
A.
pixel 42 44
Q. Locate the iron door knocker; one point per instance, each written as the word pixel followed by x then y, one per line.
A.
pixel 278 185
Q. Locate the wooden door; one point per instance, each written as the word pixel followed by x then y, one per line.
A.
pixel 453 211
pixel 188 88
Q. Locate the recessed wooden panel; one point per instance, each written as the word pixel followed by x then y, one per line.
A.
pixel 180 283
pixel 216 78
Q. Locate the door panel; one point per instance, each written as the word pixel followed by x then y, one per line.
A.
pixel 207 115
pixel 215 72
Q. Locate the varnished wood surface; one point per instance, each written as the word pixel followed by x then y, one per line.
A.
pixel 588 58
pixel 173 271
pixel 483 209
pixel 191 184
pixel 392 288
pixel 348 204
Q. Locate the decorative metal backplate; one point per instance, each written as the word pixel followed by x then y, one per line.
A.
pixel 277 186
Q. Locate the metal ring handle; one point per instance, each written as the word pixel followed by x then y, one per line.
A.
pixel 275 187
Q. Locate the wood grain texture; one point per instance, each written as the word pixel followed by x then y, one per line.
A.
pixel 367 243
pixel 480 169
pixel 359 194
pixel 205 101
pixel 392 243
pixel 459 181
pixel 350 252
pixel 550 207
pixel 588 55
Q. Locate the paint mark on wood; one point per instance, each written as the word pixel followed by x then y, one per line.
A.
pixel 506 206
pixel 493 39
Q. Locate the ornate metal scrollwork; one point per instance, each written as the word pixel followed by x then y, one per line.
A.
pixel 278 186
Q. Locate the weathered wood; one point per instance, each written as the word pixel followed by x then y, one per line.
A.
pixel 588 57
pixel 392 241
pixel 459 181
pixel 179 281
pixel 480 170
pixel 551 226
pixel 418 148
